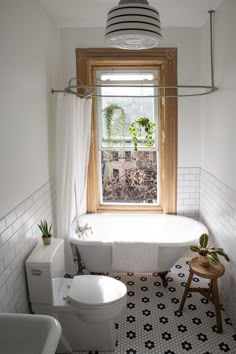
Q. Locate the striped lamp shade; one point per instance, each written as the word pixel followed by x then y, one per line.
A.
pixel 133 25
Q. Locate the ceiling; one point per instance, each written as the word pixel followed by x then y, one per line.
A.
pixel 92 13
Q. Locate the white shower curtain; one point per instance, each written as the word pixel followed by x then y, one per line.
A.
pixel 72 154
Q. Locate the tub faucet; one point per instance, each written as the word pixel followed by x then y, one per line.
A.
pixel 83 231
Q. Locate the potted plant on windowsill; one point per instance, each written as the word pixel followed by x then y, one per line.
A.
pixel 136 128
pixel 207 254
pixel 46 232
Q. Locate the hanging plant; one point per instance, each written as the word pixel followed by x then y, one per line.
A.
pixel 115 121
pixel 142 124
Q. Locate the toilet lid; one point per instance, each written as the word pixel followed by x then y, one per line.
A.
pixel 95 290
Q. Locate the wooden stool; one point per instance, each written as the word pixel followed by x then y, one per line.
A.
pixel 212 272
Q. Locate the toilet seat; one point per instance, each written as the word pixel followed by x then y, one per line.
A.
pixel 95 291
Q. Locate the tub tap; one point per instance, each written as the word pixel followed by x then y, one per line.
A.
pixel 83 231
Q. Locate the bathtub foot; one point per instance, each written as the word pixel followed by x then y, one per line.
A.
pixel 162 275
pixel 79 262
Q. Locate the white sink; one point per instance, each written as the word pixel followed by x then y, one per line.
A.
pixel 28 334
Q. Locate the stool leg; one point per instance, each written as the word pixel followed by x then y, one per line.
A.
pixel 216 301
pixel 186 291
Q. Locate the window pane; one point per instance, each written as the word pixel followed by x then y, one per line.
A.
pixel 130 178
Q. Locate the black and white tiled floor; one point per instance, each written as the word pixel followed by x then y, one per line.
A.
pixel 152 324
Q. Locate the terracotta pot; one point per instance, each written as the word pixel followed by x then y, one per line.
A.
pixel 46 240
pixel 203 261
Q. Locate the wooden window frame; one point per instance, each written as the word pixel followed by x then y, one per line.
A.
pixel 89 59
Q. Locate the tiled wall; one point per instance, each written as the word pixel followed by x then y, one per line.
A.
pixel 188 191
pixel 218 213
pixel 18 236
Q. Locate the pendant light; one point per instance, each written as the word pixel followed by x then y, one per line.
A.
pixel 133 25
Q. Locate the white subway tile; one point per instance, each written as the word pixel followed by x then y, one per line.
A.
pixel 2 267
pixel 13 302
pixel 26 216
pixel 6 235
pixel 12 278
pixel 191 177
pixel 5 275
pixel 180 183
pixel 189 189
pixel 20 210
pixel 19 246
pixel 180 177
pixel 195 170
pixel 9 257
pixel 3 291
pixel 28 202
pixel 2 225
pixel 194 195
pixel 3 250
pixel 16 262
pixel 13 240
pixel 183 171
pixel 183 195
pixel 7 298
pixel 10 218
pixel 17 224
pixel 36 196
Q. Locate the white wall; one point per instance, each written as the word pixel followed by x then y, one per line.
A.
pixel 218 176
pixel 29 67
pixel 188 42
pixel 219 117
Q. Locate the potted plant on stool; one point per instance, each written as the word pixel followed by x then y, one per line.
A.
pixel 46 232
pixel 207 254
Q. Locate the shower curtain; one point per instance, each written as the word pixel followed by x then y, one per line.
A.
pixel 73 129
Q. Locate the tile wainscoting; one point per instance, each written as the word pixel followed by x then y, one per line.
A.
pixel 188 191
pixel 218 213
pixel 18 236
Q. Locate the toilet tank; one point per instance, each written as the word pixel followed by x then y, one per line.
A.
pixel 44 264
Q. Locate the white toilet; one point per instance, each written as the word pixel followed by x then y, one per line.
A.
pixel 85 306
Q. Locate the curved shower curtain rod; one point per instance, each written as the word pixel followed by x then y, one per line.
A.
pixel 72 89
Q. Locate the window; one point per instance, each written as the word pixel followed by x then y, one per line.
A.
pixel 127 155
pixel 119 178
pixel 142 167
pixel 115 155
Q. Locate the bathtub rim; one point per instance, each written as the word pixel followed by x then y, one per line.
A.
pixel 74 239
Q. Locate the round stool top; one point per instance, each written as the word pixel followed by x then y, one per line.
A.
pixel 210 272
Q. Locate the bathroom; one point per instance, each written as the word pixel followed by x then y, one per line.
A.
pixel 37 54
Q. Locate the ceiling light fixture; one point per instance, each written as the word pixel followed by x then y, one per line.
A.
pixel 133 25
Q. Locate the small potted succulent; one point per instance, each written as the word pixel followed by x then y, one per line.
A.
pixel 208 254
pixel 46 232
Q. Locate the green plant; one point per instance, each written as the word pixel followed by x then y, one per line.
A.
pixel 114 126
pixel 211 253
pixel 142 124
pixel 45 228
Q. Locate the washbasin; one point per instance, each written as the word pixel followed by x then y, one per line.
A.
pixel 28 334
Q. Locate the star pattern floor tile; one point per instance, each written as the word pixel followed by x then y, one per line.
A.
pixel 152 324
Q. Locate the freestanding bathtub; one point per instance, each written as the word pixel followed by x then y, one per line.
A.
pixel 134 242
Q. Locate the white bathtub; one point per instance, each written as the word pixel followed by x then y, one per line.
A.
pixel 171 234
